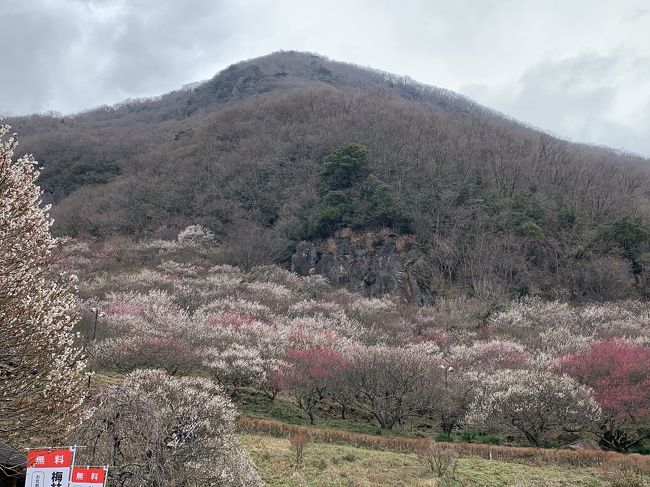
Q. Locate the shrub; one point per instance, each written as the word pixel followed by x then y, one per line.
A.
pixel 299 441
pixel 468 436
pixel 624 475
pixel 440 460
pixel 444 437
pixel 531 229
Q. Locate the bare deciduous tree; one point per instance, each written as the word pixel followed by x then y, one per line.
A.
pixel 393 383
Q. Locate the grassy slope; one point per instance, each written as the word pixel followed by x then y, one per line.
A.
pixel 336 465
pixel 342 465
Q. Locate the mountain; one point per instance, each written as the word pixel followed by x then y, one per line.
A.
pixel 495 206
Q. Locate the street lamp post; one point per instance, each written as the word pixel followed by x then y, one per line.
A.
pixel 98 314
pixel 447 370
pixel 446 401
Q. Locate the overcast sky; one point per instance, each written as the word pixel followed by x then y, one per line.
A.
pixel 577 68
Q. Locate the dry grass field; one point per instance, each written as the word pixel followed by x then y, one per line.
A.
pixel 339 465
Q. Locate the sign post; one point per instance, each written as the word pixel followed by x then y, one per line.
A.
pixel 88 476
pixel 49 468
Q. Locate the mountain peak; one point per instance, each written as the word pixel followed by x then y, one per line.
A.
pixel 288 70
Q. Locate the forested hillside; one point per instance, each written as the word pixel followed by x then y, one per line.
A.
pixel 498 209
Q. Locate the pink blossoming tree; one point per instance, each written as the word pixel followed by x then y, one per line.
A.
pixel 619 373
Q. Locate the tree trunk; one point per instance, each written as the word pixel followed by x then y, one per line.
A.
pixel 448 425
pixel 533 439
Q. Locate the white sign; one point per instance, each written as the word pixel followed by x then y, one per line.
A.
pixel 49 468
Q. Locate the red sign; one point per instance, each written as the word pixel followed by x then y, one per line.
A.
pixel 50 458
pixel 49 468
pixel 88 476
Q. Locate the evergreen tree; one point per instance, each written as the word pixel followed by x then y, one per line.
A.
pixel 345 167
pixel 352 196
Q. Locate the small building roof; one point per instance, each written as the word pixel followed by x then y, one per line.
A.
pixel 10 458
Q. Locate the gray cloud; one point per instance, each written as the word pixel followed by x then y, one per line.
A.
pixel 578 68
pixel 587 98
pixel 72 55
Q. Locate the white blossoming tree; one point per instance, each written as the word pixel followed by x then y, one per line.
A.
pixel 236 367
pixel 532 401
pixel 158 430
pixel 196 235
pixel 40 367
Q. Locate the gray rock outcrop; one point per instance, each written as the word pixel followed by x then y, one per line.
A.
pixel 374 270
pixel 583 444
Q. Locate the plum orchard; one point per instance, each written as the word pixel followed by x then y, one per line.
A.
pixel 534 368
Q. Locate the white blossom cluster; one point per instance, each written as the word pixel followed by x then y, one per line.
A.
pixel 196 235
pixel 40 366
pixel 165 430
pixel 532 401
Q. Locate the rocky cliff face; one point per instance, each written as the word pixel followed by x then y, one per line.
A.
pixel 374 268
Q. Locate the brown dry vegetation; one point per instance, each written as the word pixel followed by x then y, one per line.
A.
pixel 498 207
pixel 532 456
